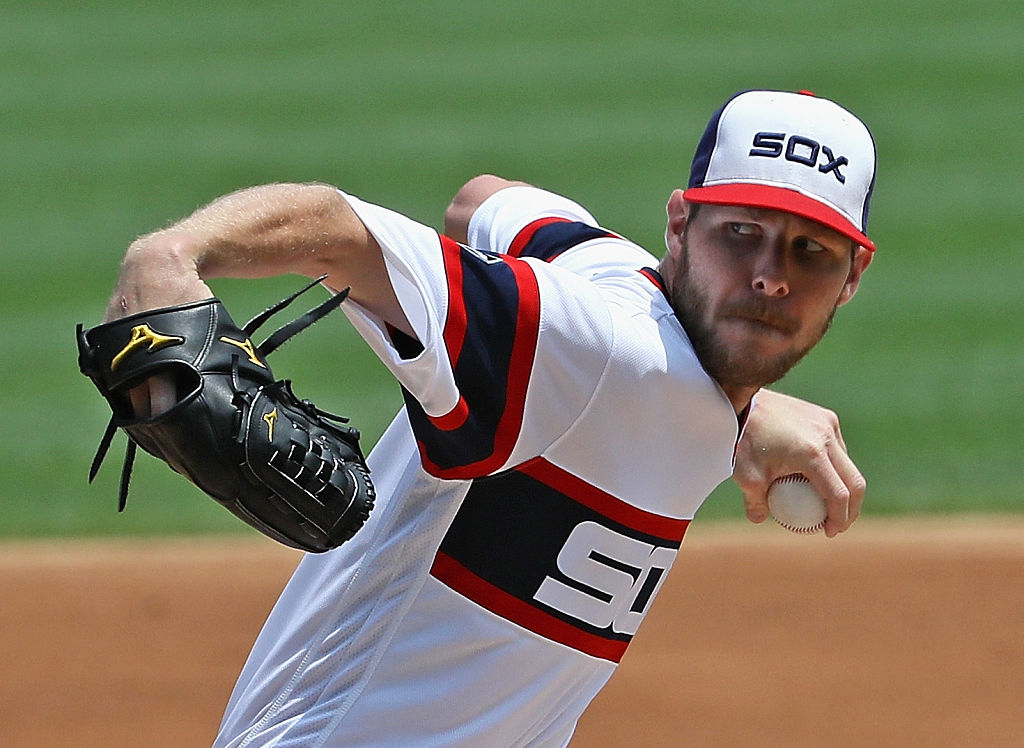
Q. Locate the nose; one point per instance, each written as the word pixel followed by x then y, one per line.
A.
pixel 770 277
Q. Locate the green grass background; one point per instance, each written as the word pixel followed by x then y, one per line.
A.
pixel 119 117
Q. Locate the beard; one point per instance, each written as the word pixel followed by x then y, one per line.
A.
pixel 730 364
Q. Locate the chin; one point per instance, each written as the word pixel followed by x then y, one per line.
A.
pixel 757 348
pixel 752 363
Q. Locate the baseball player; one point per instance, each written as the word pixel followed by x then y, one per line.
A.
pixel 570 401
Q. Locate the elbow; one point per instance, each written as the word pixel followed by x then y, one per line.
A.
pixel 467 199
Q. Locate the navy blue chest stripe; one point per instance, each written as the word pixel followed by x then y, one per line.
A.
pixel 550 240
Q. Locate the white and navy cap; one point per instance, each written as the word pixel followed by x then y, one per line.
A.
pixel 792 152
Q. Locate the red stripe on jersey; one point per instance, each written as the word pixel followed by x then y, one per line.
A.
pixel 526 233
pixel 454 328
pixel 462 580
pixel 666 528
pixel 653 277
pixel 453 419
pixel 524 348
pixel 455 324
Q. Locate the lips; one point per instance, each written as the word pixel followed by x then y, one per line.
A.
pixel 759 315
pixel 769 325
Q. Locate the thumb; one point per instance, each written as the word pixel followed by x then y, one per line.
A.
pixel 753 483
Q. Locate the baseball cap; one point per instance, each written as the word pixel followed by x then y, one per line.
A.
pixel 793 152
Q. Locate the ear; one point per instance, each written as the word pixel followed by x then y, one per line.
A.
pixel 861 259
pixel 677 210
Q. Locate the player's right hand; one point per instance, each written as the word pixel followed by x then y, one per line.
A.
pixel 786 435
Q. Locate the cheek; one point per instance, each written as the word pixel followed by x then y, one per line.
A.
pixel 817 314
pixel 715 279
pixel 818 303
pixel 824 290
pixel 712 275
pixel 704 294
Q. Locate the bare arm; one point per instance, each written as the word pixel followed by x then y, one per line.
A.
pixel 787 435
pixel 258 232
pixel 468 199
pixel 254 233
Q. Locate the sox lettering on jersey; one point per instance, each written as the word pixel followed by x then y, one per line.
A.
pixel 536 545
pixel 544 549
pixel 616 578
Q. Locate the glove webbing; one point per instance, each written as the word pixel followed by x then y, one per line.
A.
pixel 280 336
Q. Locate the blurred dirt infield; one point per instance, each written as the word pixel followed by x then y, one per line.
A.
pixel 898 633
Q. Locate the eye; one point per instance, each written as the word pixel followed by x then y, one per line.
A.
pixel 809 245
pixel 743 229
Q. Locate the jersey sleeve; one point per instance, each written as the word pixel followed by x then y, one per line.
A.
pixel 525 221
pixel 503 216
pixel 507 349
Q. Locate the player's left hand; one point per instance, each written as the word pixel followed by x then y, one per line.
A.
pixel 786 435
pixel 158 270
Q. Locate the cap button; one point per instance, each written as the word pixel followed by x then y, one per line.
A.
pixel 805 92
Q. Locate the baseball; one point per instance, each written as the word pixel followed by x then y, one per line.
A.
pixel 795 504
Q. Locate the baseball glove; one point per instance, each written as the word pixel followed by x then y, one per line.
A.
pixel 282 465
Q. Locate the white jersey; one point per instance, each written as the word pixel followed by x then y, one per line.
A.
pixel 558 435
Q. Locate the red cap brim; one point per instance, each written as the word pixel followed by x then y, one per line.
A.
pixel 778 198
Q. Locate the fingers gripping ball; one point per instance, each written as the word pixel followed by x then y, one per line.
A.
pixel 795 504
pixel 279 463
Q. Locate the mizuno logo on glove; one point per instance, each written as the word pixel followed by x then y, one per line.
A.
pixel 247 346
pixel 143 336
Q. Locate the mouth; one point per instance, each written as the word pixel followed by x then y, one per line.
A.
pixel 765 323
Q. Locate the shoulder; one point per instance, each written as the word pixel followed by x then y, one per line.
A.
pixel 502 216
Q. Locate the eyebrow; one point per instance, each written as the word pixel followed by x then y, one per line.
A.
pixel 814 230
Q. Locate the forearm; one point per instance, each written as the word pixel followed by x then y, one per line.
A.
pixel 269 230
pixel 255 233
